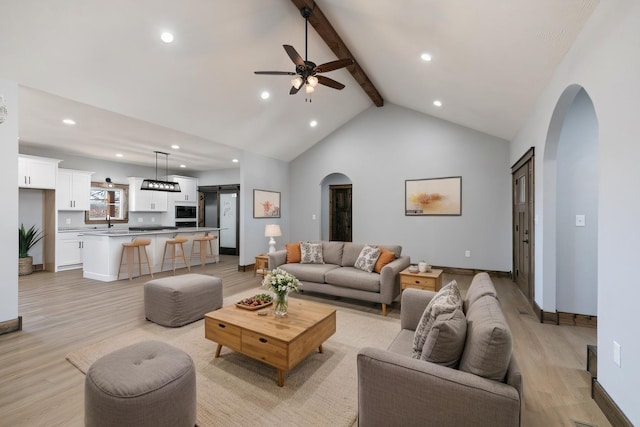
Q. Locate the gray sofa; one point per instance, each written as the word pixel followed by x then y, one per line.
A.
pixel 337 276
pixel 396 389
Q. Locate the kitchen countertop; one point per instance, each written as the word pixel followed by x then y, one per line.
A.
pixel 117 232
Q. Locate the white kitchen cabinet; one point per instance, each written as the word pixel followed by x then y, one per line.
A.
pixel 37 172
pixel 69 247
pixel 72 190
pixel 188 190
pixel 146 200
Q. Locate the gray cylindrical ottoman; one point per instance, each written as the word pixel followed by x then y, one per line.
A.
pixel 146 384
pixel 177 300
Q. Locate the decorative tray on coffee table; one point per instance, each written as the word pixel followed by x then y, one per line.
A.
pixel 255 302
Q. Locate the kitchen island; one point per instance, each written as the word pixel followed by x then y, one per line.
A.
pixel 103 248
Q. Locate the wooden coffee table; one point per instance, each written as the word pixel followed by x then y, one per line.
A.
pixel 279 342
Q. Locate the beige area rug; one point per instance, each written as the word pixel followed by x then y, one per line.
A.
pixel 237 390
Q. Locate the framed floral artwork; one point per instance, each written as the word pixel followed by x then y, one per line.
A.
pixel 266 204
pixel 433 196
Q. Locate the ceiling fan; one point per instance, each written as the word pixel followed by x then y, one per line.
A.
pixel 308 73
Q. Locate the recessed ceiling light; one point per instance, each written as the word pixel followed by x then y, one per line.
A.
pixel 265 95
pixel 437 103
pixel 313 123
pixel 166 37
pixel 235 160
pixel 119 155
pixel 175 146
pixel 69 122
pixel 183 166
pixel 426 57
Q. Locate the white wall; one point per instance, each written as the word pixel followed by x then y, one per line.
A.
pixel 9 212
pixel 262 173
pixel 605 61
pixel 219 177
pixel 381 148
pixel 577 194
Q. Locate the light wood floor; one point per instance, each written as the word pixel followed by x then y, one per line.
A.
pixel 63 311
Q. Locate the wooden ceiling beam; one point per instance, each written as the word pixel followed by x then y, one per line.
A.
pixel 324 28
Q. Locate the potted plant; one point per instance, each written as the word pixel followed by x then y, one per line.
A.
pixel 27 239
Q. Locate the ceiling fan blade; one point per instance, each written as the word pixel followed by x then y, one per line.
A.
pixel 330 82
pixel 276 73
pixel 333 65
pixel 293 90
pixel 294 55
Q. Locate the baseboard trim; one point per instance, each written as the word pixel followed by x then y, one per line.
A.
pixel 577 320
pixel 608 407
pixel 472 271
pixel 246 267
pixel 547 317
pixel 9 326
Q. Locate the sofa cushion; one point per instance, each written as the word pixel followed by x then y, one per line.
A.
pixel 402 343
pixel 350 254
pixel 332 252
pixel 481 285
pixel 386 256
pixel 311 253
pixel 445 301
pixel 309 272
pixel 293 252
pixel 445 340
pixel 367 258
pixel 351 277
pixel 487 349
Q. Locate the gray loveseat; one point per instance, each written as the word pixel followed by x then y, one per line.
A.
pixel 338 276
pixel 396 389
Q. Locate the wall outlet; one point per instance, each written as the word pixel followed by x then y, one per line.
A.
pixel 313 217
pixel 67 221
pixel 580 220
pixel 467 254
pixel 616 353
pixel 153 219
pixel 140 219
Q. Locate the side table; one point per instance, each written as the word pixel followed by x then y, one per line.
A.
pixel 262 265
pixel 429 281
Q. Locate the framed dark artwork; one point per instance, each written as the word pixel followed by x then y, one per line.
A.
pixel 433 196
pixel 266 204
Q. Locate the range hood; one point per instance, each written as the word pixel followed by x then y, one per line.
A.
pixel 158 185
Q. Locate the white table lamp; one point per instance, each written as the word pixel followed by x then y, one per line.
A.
pixel 272 230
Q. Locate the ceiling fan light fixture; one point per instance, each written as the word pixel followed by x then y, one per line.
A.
pixel 309 89
pixel 313 81
pixel 297 82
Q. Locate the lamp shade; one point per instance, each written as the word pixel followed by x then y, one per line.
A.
pixel 272 230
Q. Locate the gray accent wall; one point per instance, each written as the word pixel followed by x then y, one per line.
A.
pixel 604 61
pixel 381 148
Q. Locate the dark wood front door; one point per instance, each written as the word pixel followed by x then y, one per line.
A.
pixel 523 198
pixel 340 213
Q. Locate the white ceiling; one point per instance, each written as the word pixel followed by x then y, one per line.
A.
pixel 102 64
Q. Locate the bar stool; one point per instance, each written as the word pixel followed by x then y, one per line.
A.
pixel 130 248
pixel 202 248
pixel 172 244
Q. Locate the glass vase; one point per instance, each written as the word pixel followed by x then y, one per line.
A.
pixel 280 305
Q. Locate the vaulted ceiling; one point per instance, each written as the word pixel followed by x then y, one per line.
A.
pixel 102 64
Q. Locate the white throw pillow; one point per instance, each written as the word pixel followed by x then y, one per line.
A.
pixel 367 258
pixel 311 253
pixel 447 300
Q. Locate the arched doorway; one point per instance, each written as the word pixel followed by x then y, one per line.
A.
pixel 570 207
pixel 336 208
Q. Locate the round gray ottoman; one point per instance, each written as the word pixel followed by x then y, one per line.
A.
pixel 177 300
pixel 145 384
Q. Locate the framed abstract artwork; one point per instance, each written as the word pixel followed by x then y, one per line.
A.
pixel 266 204
pixel 433 196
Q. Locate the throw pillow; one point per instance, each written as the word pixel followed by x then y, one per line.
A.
pixel 367 258
pixel 445 340
pixel 311 253
pixel 445 301
pixel 293 252
pixel 385 258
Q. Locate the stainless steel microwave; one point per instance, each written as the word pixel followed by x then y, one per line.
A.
pixel 186 212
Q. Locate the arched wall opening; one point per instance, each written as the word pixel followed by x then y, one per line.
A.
pixel 570 206
pixel 327 181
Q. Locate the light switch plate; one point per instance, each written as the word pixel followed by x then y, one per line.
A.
pixel 580 220
pixel 140 219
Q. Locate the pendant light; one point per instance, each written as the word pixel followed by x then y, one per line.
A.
pixel 157 185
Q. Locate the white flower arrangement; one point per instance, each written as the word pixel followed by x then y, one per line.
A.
pixel 281 282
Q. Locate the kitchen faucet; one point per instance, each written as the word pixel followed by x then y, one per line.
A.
pixel 109 225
